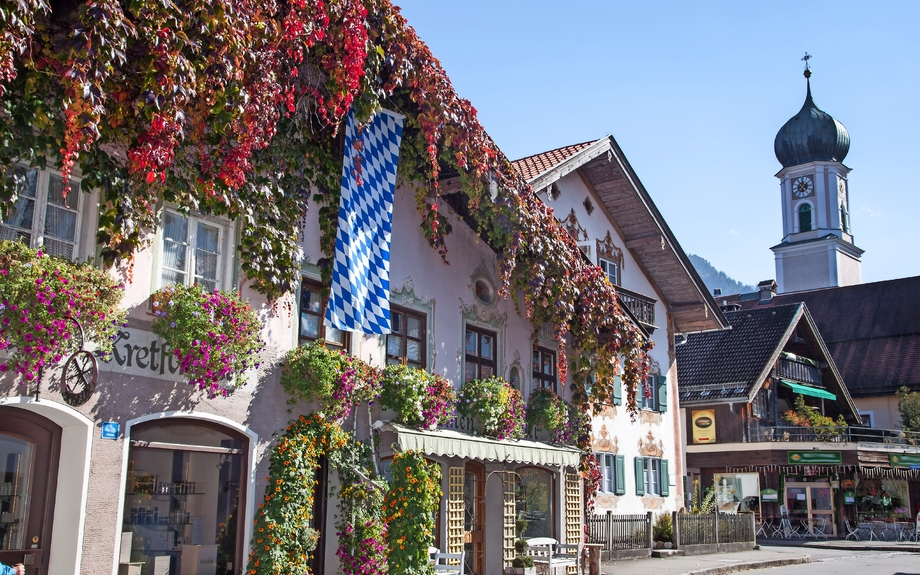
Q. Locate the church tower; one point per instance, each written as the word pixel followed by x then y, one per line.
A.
pixel 817 250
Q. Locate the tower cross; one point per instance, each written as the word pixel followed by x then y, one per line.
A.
pixel 806 58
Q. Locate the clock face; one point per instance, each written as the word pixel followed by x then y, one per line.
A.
pixel 78 379
pixel 802 187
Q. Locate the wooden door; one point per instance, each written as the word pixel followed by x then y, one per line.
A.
pixel 29 453
pixel 474 518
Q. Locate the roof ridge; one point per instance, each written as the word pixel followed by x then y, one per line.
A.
pixel 555 150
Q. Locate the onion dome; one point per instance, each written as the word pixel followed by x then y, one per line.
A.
pixel 811 135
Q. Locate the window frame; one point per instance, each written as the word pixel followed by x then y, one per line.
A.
pixel 650 403
pixel 800 211
pixel 403 358
pixel 225 243
pixel 317 288
pixel 539 379
pixel 36 229
pixel 606 266
pixel 608 468
pixel 477 358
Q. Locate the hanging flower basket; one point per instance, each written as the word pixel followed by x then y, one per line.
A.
pixel 546 410
pixel 215 335
pixel 40 298
pixel 420 399
pixel 496 407
pixel 334 379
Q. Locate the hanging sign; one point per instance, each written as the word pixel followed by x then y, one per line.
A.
pixel 704 426
pixel 849 498
pixel 815 457
pixel 768 495
pixel 904 459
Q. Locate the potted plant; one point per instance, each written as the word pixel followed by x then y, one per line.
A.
pixel 546 411
pixel 334 379
pixel 420 399
pixel 522 564
pixel 215 335
pixel 494 405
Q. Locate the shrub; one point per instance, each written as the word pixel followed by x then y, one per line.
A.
pixel 663 528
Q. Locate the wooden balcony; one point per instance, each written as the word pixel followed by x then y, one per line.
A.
pixel 798 371
pixel 642 307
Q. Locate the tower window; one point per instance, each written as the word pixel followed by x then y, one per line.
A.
pixel 805 218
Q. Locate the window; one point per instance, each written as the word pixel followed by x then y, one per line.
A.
pixel 611 269
pixel 866 417
pixel 648 395
pixel 42 216
pixel 184 493
pixel 759 405
pixel 805 218
pixel 652 476
pixel 544 368
pixel 191 251
pixel 406 341
pixel 613 477
pixel 312 312
pixel 480 354
pixel 534 501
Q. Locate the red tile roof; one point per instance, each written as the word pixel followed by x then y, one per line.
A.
pixel 532 166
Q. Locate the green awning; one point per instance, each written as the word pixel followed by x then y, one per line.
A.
pixel 805 390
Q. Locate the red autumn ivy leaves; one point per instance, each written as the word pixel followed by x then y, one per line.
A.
pixel 233 108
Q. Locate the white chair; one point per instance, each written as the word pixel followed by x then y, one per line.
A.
pixel 852 530
pixel 819 528
pixel 449 563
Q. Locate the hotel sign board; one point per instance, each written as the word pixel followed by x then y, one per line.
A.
pixel 814 457
pixel 704 426
pixel 904 459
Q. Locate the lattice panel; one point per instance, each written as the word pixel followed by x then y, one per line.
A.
pixel 454 509
pixel 509 515
pixel 573 530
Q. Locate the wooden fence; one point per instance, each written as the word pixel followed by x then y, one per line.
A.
pixel 714 528
pixel 620 532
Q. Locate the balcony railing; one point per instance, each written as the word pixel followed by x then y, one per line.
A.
pixel 641 306
pixel 798 371
pixel 767 433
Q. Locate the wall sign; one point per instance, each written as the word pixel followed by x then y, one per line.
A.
pixel 849 497
pixel 704 426
pixel 768 495
pixel 904 459
pixel 110 429
pixel 140 352
pixel 814 457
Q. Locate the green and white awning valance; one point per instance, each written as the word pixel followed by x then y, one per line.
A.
pixel 807 390
pixel 450 443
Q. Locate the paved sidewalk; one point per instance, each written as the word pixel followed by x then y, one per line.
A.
pixel 772 553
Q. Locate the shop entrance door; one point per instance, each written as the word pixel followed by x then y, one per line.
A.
pixel 29 452
pixel 474 516
pixel 811 502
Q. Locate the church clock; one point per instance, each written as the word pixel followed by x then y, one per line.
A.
pixel 802 186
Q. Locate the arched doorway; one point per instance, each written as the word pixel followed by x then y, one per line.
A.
pixel 30 447
pixel 474 518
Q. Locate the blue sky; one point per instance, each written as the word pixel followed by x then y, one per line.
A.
pixel 694 92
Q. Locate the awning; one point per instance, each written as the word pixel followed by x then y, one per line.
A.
pixel 805 390
pixel 450 443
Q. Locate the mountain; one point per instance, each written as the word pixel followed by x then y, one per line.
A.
pixel 715 279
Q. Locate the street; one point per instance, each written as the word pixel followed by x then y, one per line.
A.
pixel 843 562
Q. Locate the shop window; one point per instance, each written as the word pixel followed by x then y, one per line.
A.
pixel 544 368
pixel 184 494
pixel 43 216
pixel 480 354
pixel 192 251
pixel 406 340
pixel 312 312
pixel 534 501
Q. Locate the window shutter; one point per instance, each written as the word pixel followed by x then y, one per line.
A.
pixel 665 479
pixel 617 390
pixel 662 393
pixel 640 476
pixel 620 467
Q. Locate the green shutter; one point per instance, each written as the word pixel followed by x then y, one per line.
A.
pixel 619 465
pixel 665 480
pixel 640 476
pixel 662 393
pixel 617 390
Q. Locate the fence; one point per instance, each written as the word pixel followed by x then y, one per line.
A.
pixel 620 532
pixel 714 528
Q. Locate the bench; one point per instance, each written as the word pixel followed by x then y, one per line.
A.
pixel 550 554
pixel 448 563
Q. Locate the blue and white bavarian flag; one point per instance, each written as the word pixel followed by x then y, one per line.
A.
pixel 359 300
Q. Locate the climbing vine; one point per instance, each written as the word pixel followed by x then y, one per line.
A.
pixel 235 108
pixel 414 493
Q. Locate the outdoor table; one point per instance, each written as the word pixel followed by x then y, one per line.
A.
pixel 868 527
